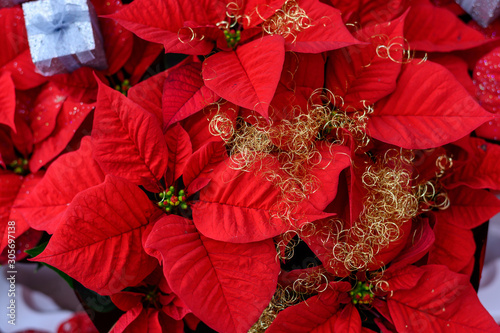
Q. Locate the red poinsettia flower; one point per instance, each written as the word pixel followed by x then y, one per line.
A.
pixel 427 298
pixel 150 306
pixel 251 39
pixel 38 125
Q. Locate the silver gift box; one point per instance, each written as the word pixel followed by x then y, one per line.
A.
pixel 63 35
pixel 482 11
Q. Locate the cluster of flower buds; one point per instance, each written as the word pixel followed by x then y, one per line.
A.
pixel 19 166
pixel 123 87
pixel 170 200
pixel 361 293
pixel 232 37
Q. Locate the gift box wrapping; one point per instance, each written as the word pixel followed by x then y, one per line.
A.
pixel 63 35
pixel 482 11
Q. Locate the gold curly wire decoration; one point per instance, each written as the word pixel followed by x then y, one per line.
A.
pixel 387 46
pixel 191 36
pixel 287 21
pixel 431 194
pixel 390 202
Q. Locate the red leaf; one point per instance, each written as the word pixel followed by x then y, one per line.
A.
pixel 184 93
pixel 258 10
pixel 442 301
pixel 433 29
pixel 69 175
pixel 44 115
pixel 373 12
pixel 14 39
pixel 365 72
pixel 198 128
pixel 23 71
pixel 303 70
pixel 334 159
pixel 179 151
pixel 429 108
pixel 129 142
pixel 469 207
pixel 99 243
pixel 143 55
pixel 7 100
pixel 16 190
pixel 148 94
pixel 318 314
pixel 226 285
pixel 406 277
pixel 422 239
pixel 118 42
pixel 326 32
pixel 349 320
pixel 68 121
pixel 454 247
pixel 481 169
pixel 242 207
pixel 203 161
pixel 247 77
pixel 23 139
pixel 458 67
pixel 170 17
pixel 9 189
pixel 81 85
pixel 133 321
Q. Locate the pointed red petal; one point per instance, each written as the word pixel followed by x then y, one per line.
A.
pixel 327 31
pixel 170 18
pixel 7 100
pixel 242 207
pixel 148 94
pixel 44 115
pixel 365 72
pixel 349 320
pixel 118 42
pixel 66 177
pixel 406 277
pixel 454 247
pixel 179 151
pixel 184 93
pixel 318 314
pixel 13 39
pixel 422 239
pixel 129 142
pixel 68 121
pixel 247 77
pixel 429 108
pixel 469 207
pixel 132 321
pixel 198 127
pixel 226 285
pixel 433 29
pixel 13 190
pixel 334 159
pixel 442 301
pixel 143 55
pixel 99 243
pixel 23 71
pixel 204 161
